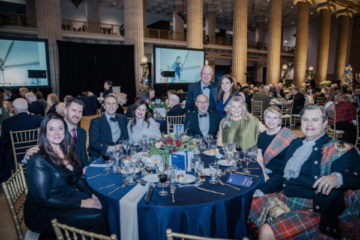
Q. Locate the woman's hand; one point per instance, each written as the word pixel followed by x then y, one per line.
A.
pixel 31 151
pixel 266 177
pixel 91 203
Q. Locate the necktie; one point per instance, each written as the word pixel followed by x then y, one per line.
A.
pixel 203 115
pixel 74 134
pixel 205 87
pixel 113 119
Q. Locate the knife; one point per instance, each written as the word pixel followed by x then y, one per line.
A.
pixel 111 185
pixel 247 174
pixel 207 190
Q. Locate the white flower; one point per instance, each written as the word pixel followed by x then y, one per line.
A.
pixel 185 138
pixel 159 144
pixel 172 134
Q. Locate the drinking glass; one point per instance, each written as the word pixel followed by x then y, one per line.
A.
pixel 132 168
pixel 209 139
pixel 202 147
pixel 114 162
pixel 125 166
pixel 247 160
pixel 214 167
pixel 106 157
pixel 228 158
pixel 141 166
pixel 213 145
pixel 233 166
pixel 126 145
pixel 196 169
pixel 160 168
pixel 199 170
pixel 173 169
pixel 197 140
pixel 237 158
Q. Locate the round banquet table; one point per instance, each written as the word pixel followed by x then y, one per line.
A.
pixel 194 212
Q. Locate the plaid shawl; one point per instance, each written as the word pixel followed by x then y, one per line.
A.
pixel 350 218
pixel 278 144
pixel 331 152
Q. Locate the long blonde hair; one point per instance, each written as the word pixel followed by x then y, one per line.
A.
pixel 244 111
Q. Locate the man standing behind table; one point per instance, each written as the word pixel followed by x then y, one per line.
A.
pixel 205 86
pixel 264 97
pixel 203 121
pixel 175 110
pixel 298 99
pixel 107 131
pixel 311 183
pixel 73 113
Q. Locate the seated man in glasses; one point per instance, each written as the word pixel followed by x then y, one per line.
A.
pixel 304 199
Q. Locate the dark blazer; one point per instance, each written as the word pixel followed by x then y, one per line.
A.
pixel 13 97
pixel 120 110
pixel 80 146
pixel 191 123
pixel 100 137
pixel 174 111
pixel 52 109
pixel 282 94
pixel 36 108
pixel 299 102
pixel 265 98
pixel 195 90
pixel 22 121
pixel 329 206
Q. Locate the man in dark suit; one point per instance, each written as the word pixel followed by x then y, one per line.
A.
pixel 35 107
pixel 315 174
pixel 205 86
pixel 22 121
pixel 264 97
pixel 175 110
pixel 203 121
pixel 298 99
pixel 278 92
pixel 107 131
pixel 152 96
pixel 9 96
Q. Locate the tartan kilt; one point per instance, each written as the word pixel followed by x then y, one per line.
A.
pixel 300 223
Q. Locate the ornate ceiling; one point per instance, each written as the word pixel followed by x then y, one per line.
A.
pixel 224 8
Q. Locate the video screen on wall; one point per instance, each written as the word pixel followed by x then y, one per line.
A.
pixel 24 62
pixel 177 65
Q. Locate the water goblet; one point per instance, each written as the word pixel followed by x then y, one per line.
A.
pixel 160 168
pixel 228 158
pixel 126 145
pixel 172 177
pixel 214 168
pixel 209 139
pixel 140 164
pixel 106 157
pixel 125 166
pixel 199 170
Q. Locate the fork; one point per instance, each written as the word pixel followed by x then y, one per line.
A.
pixel 98 175
pixel 122 186
pixel 172 191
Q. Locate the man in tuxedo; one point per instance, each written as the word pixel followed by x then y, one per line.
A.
pixel 264 97
pixel 203 121
pixel 205 86
pixel 357 96
pixel 175 110
pixel 152 96
pixel 278 92
pixel 298 99
pixel 9 96
pixel 22 121
pixel 35 107
pixel 107 131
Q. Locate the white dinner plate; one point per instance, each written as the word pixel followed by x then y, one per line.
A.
pixel 188 179
pixel 136 171
pixel 225 163
pixel 151 178
pixel 209 154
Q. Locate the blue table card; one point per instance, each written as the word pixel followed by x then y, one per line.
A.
pixel 240 180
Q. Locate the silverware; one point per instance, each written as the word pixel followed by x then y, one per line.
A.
pixel 207 190
pixel 122 186
pixel 253 168
pixel 221 182
pixel 98 175
pixel 224 172
pixel 172 191
pixel 247 174
pixel 110 185
pixel 232 187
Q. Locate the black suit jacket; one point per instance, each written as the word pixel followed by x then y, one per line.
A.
pixel 13 97
pixel 191 123
pixel 282 94
pixel 174 111
pixel 100 137
pixel 80 146
pixel 299 102
pixel 36 108
pixel 195 90
pixel 52 109
pixel 22 121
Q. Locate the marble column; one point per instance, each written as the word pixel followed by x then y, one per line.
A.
pixel 93 15
pixel 260 31
pixel 134 34
pixel 48 18
pixel 342 41
pixel 30 13
pixel 195 24
pixel 239 58
pixel 211 63
pixel 210 21
pixel 322 58
pixel 178 23
pixel 302 29
pixel 274 40
pixel 259 72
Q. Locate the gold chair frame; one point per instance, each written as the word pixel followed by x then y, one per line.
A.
pixel 171 120
pixel 320 101
pixel 332 131
pixel 68 230
pixel 286 111
pixel 357 143
pixel 14 188
pixel 28 137
pixel 170 236
pixel 257 107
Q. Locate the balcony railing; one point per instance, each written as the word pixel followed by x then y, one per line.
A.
pixel 19 20
pixel 164 34
pixel 90 27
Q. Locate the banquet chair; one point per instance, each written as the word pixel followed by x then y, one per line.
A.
pixel 257 109
pixel 331 131
pixel 286 110
pixel 170 236
pixel 171 120
pixel 320 100
pixel 72 232
pixel 295 118
pixel 22 141
pixel 15 190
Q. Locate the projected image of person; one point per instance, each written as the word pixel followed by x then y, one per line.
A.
pixel 177 67
pixel 2 69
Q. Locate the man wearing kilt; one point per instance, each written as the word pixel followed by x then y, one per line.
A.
pixel 304 198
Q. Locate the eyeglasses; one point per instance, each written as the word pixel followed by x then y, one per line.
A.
pixel 202 102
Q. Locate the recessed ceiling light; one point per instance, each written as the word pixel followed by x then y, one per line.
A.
pixel 220 10
pixel 114 3
pixel 265 20
pixel 285 41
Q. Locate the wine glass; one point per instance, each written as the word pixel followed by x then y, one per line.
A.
pixel 214 167
pixel 209 139
pixel 228 158
pixel 197 139
pixel 247 160
pixel 140 164
pixel 160 170
pixel 126 145
pixel 173 169
pixel 106 157
pixel 213 145
pixel 199 171
pixel 125 166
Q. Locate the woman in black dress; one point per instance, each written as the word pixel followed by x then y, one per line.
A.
pixel 56 186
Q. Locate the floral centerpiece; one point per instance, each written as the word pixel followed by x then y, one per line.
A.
pixel 168 144
pixel 326 83
pixel 180 91
pixel 348 78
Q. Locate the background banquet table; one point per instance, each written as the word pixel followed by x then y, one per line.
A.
pixel 194 211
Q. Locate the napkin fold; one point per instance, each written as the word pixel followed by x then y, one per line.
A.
pixel 128 212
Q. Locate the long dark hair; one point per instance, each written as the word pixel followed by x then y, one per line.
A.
pixel 220 93
pixel 137 104
pixel 67 145
pixel 110 83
